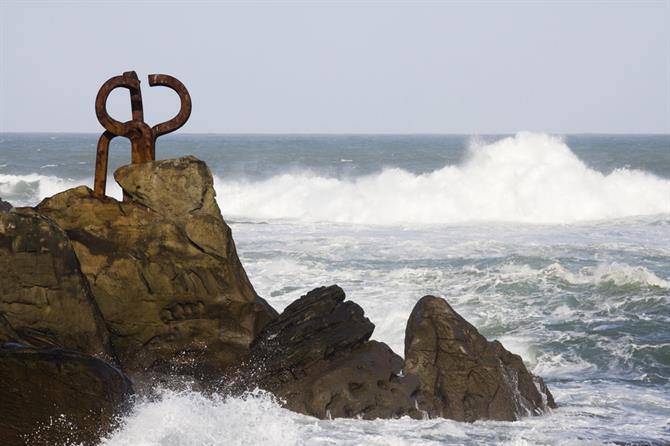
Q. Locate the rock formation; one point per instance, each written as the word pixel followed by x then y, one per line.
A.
pixel 44 298
pixel 163 268
pixel 316 356
pixel 54 397
pixel 154 284
pixel 462 375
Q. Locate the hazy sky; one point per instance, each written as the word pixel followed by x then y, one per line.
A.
pixel 343 67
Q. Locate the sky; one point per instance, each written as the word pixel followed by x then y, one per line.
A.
pixel 343 67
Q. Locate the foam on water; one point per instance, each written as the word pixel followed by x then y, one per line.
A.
pixel 30 189
pixel 614 273
pixel 190 418
pixel 530 177
pixel 533 178
pixel 193 419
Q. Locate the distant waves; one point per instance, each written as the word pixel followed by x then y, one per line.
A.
pixel 529 178
pixel 532 178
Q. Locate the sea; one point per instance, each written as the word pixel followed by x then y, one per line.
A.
pixel 556 245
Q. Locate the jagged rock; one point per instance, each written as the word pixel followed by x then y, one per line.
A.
pixel 316 356
pixel 462 375
pixel 54 397
pixel 4 206
pixel 163 268
pixel 45 300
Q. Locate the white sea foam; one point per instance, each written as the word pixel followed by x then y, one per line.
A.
pixel 619 274
pixel 190 419
pixel 616 273
pixel 530 177
pixel 193 419
pixel 30 189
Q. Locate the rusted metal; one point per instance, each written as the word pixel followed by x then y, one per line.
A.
pixel 142 137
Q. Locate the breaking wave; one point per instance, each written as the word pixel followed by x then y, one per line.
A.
pixel 30 189
pixel 192 419
pixel 532 178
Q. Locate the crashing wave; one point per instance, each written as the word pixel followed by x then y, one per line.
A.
pixel 533 178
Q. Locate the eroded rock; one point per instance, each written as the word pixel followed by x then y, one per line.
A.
pixel 462 375
pixel 45 300
pixel 53 397
pixel 163 268
pixel 317 357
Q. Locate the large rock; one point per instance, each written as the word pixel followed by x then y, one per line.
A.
pixel 163 268
pixel 462 375
pixel 316 357
pixel 56 397
pixel 45 300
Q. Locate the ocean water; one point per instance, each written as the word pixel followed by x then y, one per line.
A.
pixel 558 246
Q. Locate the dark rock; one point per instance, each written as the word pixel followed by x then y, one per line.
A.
pixel 316 356
pixel 45 300
pixel 462 375
pixel 53 397
pixel 163 268
pixel 4 206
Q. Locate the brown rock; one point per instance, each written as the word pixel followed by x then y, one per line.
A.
pixel 54 397
pixel 462 375
pixel 45 300
pixel 163 268
pixel 316 356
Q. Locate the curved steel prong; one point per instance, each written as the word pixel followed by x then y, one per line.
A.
pixel 180 119
pixel 127 80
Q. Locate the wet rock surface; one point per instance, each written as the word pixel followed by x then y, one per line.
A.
pixel 163 268
pixel 317 357
pixel 53 397
pixel 462 375
pixel 45 299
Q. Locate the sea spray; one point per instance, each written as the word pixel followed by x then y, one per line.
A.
pixel 530 177
pixel 533 178
pixel 30 189
pixel 193 419
pixel 189 418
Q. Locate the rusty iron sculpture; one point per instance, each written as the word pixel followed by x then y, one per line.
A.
pixel 142 137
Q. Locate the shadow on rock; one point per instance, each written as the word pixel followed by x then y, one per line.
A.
pixel 54 396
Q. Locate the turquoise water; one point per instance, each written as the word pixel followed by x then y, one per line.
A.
pixel 557 246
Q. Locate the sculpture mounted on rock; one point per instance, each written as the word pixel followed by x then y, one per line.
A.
pixel 142 137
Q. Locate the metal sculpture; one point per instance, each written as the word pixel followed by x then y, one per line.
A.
pixel 142 137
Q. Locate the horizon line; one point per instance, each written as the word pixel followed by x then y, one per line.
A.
pixel 42 132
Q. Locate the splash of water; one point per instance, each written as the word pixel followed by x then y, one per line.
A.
pixel 533 178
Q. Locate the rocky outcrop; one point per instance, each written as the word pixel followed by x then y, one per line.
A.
pixel 163 268
pixel 462 375
pixel 53 397
pixel 317 357
pixel 44 298
pixel 4 206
